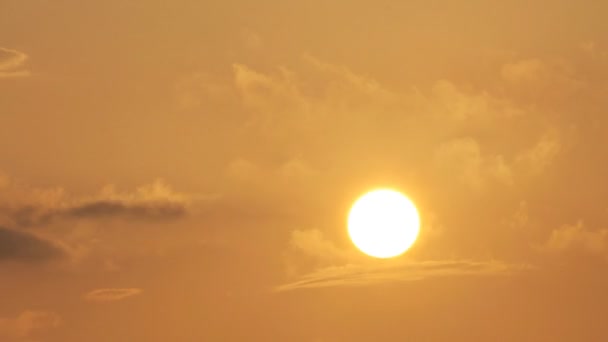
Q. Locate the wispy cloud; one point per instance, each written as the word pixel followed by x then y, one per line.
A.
pixel 111 295
pixel 369 274
pixel 26 323
pixel 354 270
pixel 12 63
pixel 577 237
pixel 313 242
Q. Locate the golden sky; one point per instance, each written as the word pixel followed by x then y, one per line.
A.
pixel 182 171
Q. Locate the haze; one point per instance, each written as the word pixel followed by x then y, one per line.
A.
pixel 182 171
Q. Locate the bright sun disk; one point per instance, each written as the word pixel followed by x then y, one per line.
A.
pixel 383 223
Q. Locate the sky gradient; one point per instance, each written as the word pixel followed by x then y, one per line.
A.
pixel 182 171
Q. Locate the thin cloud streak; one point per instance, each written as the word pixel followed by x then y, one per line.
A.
pixel 111 295
pixel 360 275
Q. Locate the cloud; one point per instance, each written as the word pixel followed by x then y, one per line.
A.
pixel 520 220
pixel 111 295
pixel 28 323
pixel 468 106
pixel 302 103
pixel 540 156
pixel 369 274
pixel 27 247
pixel 24 207
pixel 288 173
pixel 12 62
pixel 343 82
pixel 346 267
pixel 463 159
pixel 313 113
pixel 152 210
pixel 537 77
pixel 269 95
pixel 313 242
pixel 577 238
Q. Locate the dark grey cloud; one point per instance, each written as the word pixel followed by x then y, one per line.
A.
pixel 25 207
pixel 144 210
pixel 26 215
pixel 32 215
pixel 22 246
pixel 154 203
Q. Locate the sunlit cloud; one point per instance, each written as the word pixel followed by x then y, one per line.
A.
pixel 534 77
pixel 313 243
pixel 346 267
pixel 27 323
pixel 12 63
pixel 390 272
pixel 450 114
pixel 577 238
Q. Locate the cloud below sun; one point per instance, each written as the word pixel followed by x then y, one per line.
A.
pixel 398 271
pixel 342 267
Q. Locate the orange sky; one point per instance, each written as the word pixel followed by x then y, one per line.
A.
pixel 182 171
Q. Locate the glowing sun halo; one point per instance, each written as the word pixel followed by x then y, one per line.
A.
pixel 383 223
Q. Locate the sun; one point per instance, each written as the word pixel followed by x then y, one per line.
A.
pixel 383 223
